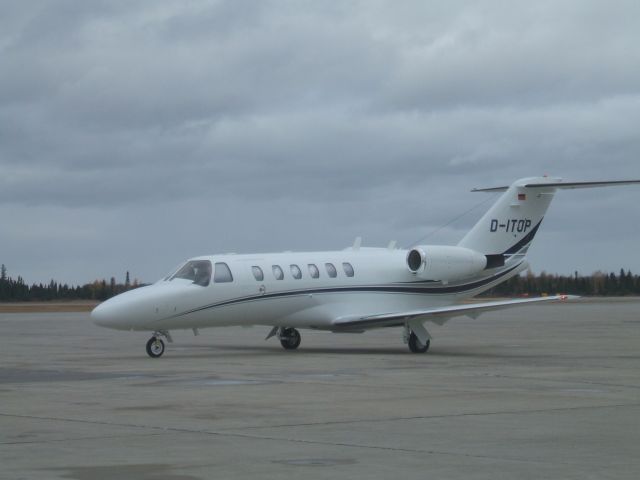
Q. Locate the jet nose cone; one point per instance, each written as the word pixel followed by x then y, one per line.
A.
pixel 112 313
pixel 100 315
pixel 127 311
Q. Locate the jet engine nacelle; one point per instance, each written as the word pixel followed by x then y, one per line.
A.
pixel 437 262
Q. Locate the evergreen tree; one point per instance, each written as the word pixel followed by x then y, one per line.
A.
pixel 598 284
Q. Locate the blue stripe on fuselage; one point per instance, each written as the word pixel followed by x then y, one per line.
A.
pixel 347 289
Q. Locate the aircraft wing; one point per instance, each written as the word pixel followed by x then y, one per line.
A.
pixel 436 314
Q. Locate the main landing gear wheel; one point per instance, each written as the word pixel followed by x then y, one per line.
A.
pixel 290 338
pixel 415 346
pixel 155 347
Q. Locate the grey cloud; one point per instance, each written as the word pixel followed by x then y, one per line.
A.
pixel 537 55
pixel 291 125
pixel 324 157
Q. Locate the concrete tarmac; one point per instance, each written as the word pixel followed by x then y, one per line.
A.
pixel 546 391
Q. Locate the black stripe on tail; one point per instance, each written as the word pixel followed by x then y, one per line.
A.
pixel 524 241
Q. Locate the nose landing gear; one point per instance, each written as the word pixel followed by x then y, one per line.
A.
pixel 155 345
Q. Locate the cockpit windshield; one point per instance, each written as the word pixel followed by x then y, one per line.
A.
pixel 198 271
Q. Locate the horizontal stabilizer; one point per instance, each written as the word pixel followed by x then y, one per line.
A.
pixel 436 314
pixel 562 185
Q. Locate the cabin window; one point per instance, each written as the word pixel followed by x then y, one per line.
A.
pixel 313 271
pixel 331 270
pixel 348 269
pixel 277 272
pixel 296 272
pixel 222 273
pixel 198 271
pixel 257 273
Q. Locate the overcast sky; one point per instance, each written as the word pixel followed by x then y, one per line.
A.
pixel 136 134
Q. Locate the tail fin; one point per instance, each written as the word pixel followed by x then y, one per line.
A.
pixel 511 223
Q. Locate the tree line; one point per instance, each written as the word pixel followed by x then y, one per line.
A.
pixel 17 290
pixel 596 284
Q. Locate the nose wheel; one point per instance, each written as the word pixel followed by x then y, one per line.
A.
pixel 155 345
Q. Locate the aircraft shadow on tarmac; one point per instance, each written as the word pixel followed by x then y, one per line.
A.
pixel 229 351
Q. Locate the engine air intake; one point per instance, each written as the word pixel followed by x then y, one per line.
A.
pixel 415 260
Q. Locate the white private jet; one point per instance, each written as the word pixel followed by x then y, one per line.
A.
pixel 351 290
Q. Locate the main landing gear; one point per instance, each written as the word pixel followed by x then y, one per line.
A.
pixel 290 338
pixel 155 345
pixel 415 344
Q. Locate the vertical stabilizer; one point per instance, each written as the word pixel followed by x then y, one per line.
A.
pixel 511 223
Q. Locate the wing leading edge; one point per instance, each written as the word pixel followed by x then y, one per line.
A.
pixel 438 314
